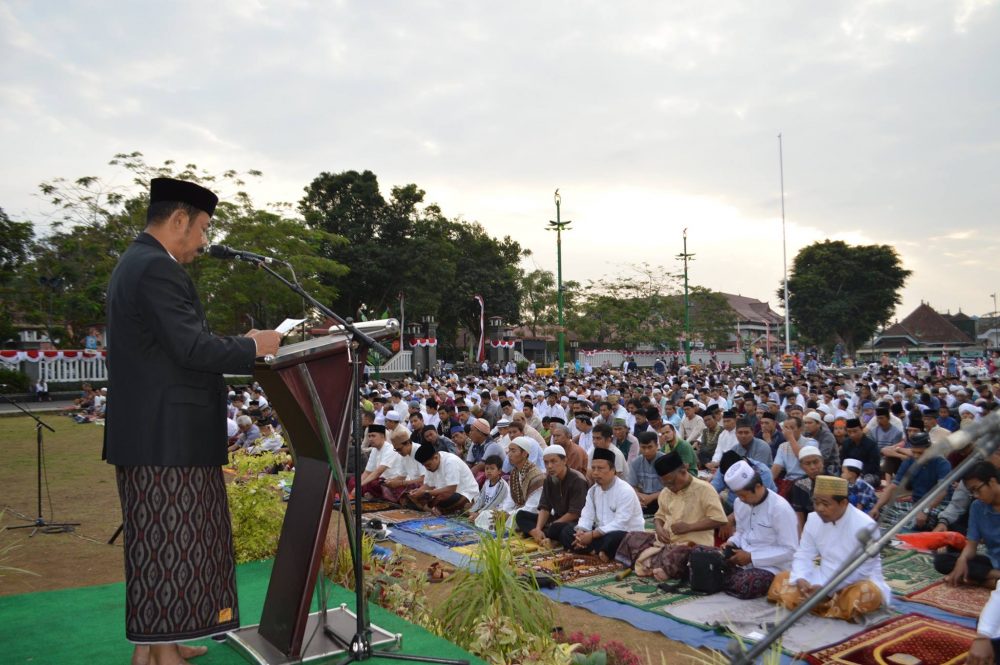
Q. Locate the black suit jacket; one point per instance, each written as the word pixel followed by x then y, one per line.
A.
pixel 166 394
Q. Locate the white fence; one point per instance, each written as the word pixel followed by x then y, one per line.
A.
pixel 401 363
pixel 73 369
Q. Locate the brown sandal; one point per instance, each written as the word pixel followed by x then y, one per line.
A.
pixel 436 573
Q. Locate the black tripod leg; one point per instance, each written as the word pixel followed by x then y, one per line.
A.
pixel 117 533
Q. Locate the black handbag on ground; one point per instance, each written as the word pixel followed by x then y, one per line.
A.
pixel 707 570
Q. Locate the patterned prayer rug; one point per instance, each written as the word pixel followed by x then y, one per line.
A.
pixel 568 567
pixel 966 601
pixel 518 546
pixel 369 506
pixel 906 571
pixel 929 640
pixel 398 515
pixel 640 592
pixel 442 530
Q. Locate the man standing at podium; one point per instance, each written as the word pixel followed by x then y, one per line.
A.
pixel 166 431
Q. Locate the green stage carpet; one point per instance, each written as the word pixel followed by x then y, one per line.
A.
pixel 87 625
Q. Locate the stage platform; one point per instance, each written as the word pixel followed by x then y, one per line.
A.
pixel 87 625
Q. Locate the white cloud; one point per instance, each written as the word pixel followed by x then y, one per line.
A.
pixel 649 117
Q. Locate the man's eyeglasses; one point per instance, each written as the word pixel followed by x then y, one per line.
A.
pixel 974 491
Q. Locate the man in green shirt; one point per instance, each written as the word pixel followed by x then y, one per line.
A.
pixel 670 442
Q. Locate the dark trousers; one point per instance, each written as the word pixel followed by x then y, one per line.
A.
pixel 979 565
pixel 608 543
pixel 554 530
pixel 525 521
pixel 651 508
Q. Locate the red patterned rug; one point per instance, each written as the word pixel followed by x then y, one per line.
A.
pixel 966 601
pixel 933 642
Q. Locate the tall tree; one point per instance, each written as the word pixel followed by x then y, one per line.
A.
pixel 539 298
pixel 836 290
pixel 67 276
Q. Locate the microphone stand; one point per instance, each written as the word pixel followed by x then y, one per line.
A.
pixel 869 549
pixel 359 647
pixel 362 338
pixel 39 522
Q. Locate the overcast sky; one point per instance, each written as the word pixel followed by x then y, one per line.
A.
pixel 650 117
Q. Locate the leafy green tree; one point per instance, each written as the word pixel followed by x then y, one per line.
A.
pixel 401 246
pixel 841 291
pixel 67 276
pixel 539 299
pixel 712 319
pixel 15 247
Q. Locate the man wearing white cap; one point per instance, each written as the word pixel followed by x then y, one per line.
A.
pixel 525 485
pixel 811 461
pixel 564 494
pixel 766 536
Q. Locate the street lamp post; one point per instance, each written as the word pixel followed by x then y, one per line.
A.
pixel 685 257
pixel 784 247
pixel 558 227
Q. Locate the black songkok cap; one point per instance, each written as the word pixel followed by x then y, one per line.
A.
pixel 920 440
pixel 767 415
pixel 853 422
pixel 729 458
pixel 378 429
pixel 557 419
pixel 668 463
pixel 881 411
pixel 424 453
pixel 605 454
pixel 729 414
pixel 182 191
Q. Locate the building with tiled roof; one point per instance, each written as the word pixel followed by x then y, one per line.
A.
pixel 923 331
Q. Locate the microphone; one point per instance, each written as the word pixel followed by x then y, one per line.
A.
pixel 223 252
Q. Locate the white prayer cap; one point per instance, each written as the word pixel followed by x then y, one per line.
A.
pixel 829 418
pixel 854 464
pixel 809 451
pixel 739 476
pixel 564 398
pixel 812 415
pixel 523 442
pixel 503 422
pixel 392 415
pixel 969 408
pixel 554 449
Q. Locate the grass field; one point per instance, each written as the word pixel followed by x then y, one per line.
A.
pixel 83 490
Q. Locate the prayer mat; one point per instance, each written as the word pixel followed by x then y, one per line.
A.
pixel 369 506
pixel 641 592
pixel 966 601
pixel 752 618
pixel 518 546
pixel 908 571
pixel 929 640
pixel 567 567
pixel 442 530
pixel 398 515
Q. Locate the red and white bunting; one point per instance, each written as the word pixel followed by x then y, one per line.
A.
pixel 424 341
pixel 503 343
pixel 34 355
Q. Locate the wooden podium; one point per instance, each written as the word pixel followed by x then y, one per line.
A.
pixel 311 385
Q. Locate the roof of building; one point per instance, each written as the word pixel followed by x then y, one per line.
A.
pixel 752 310
pixel 926 326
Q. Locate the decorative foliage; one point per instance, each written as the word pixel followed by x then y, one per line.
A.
pixel 246 465
pixel 495 582
pixel 257 513
pixel 591 651
pixel 500 640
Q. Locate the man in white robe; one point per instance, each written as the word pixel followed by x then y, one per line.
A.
pixel 612 510
pixel 830 535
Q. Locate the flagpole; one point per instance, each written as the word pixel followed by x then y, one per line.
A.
pixel 784 247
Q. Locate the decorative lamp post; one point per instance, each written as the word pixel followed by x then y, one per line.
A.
pixel 558 227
